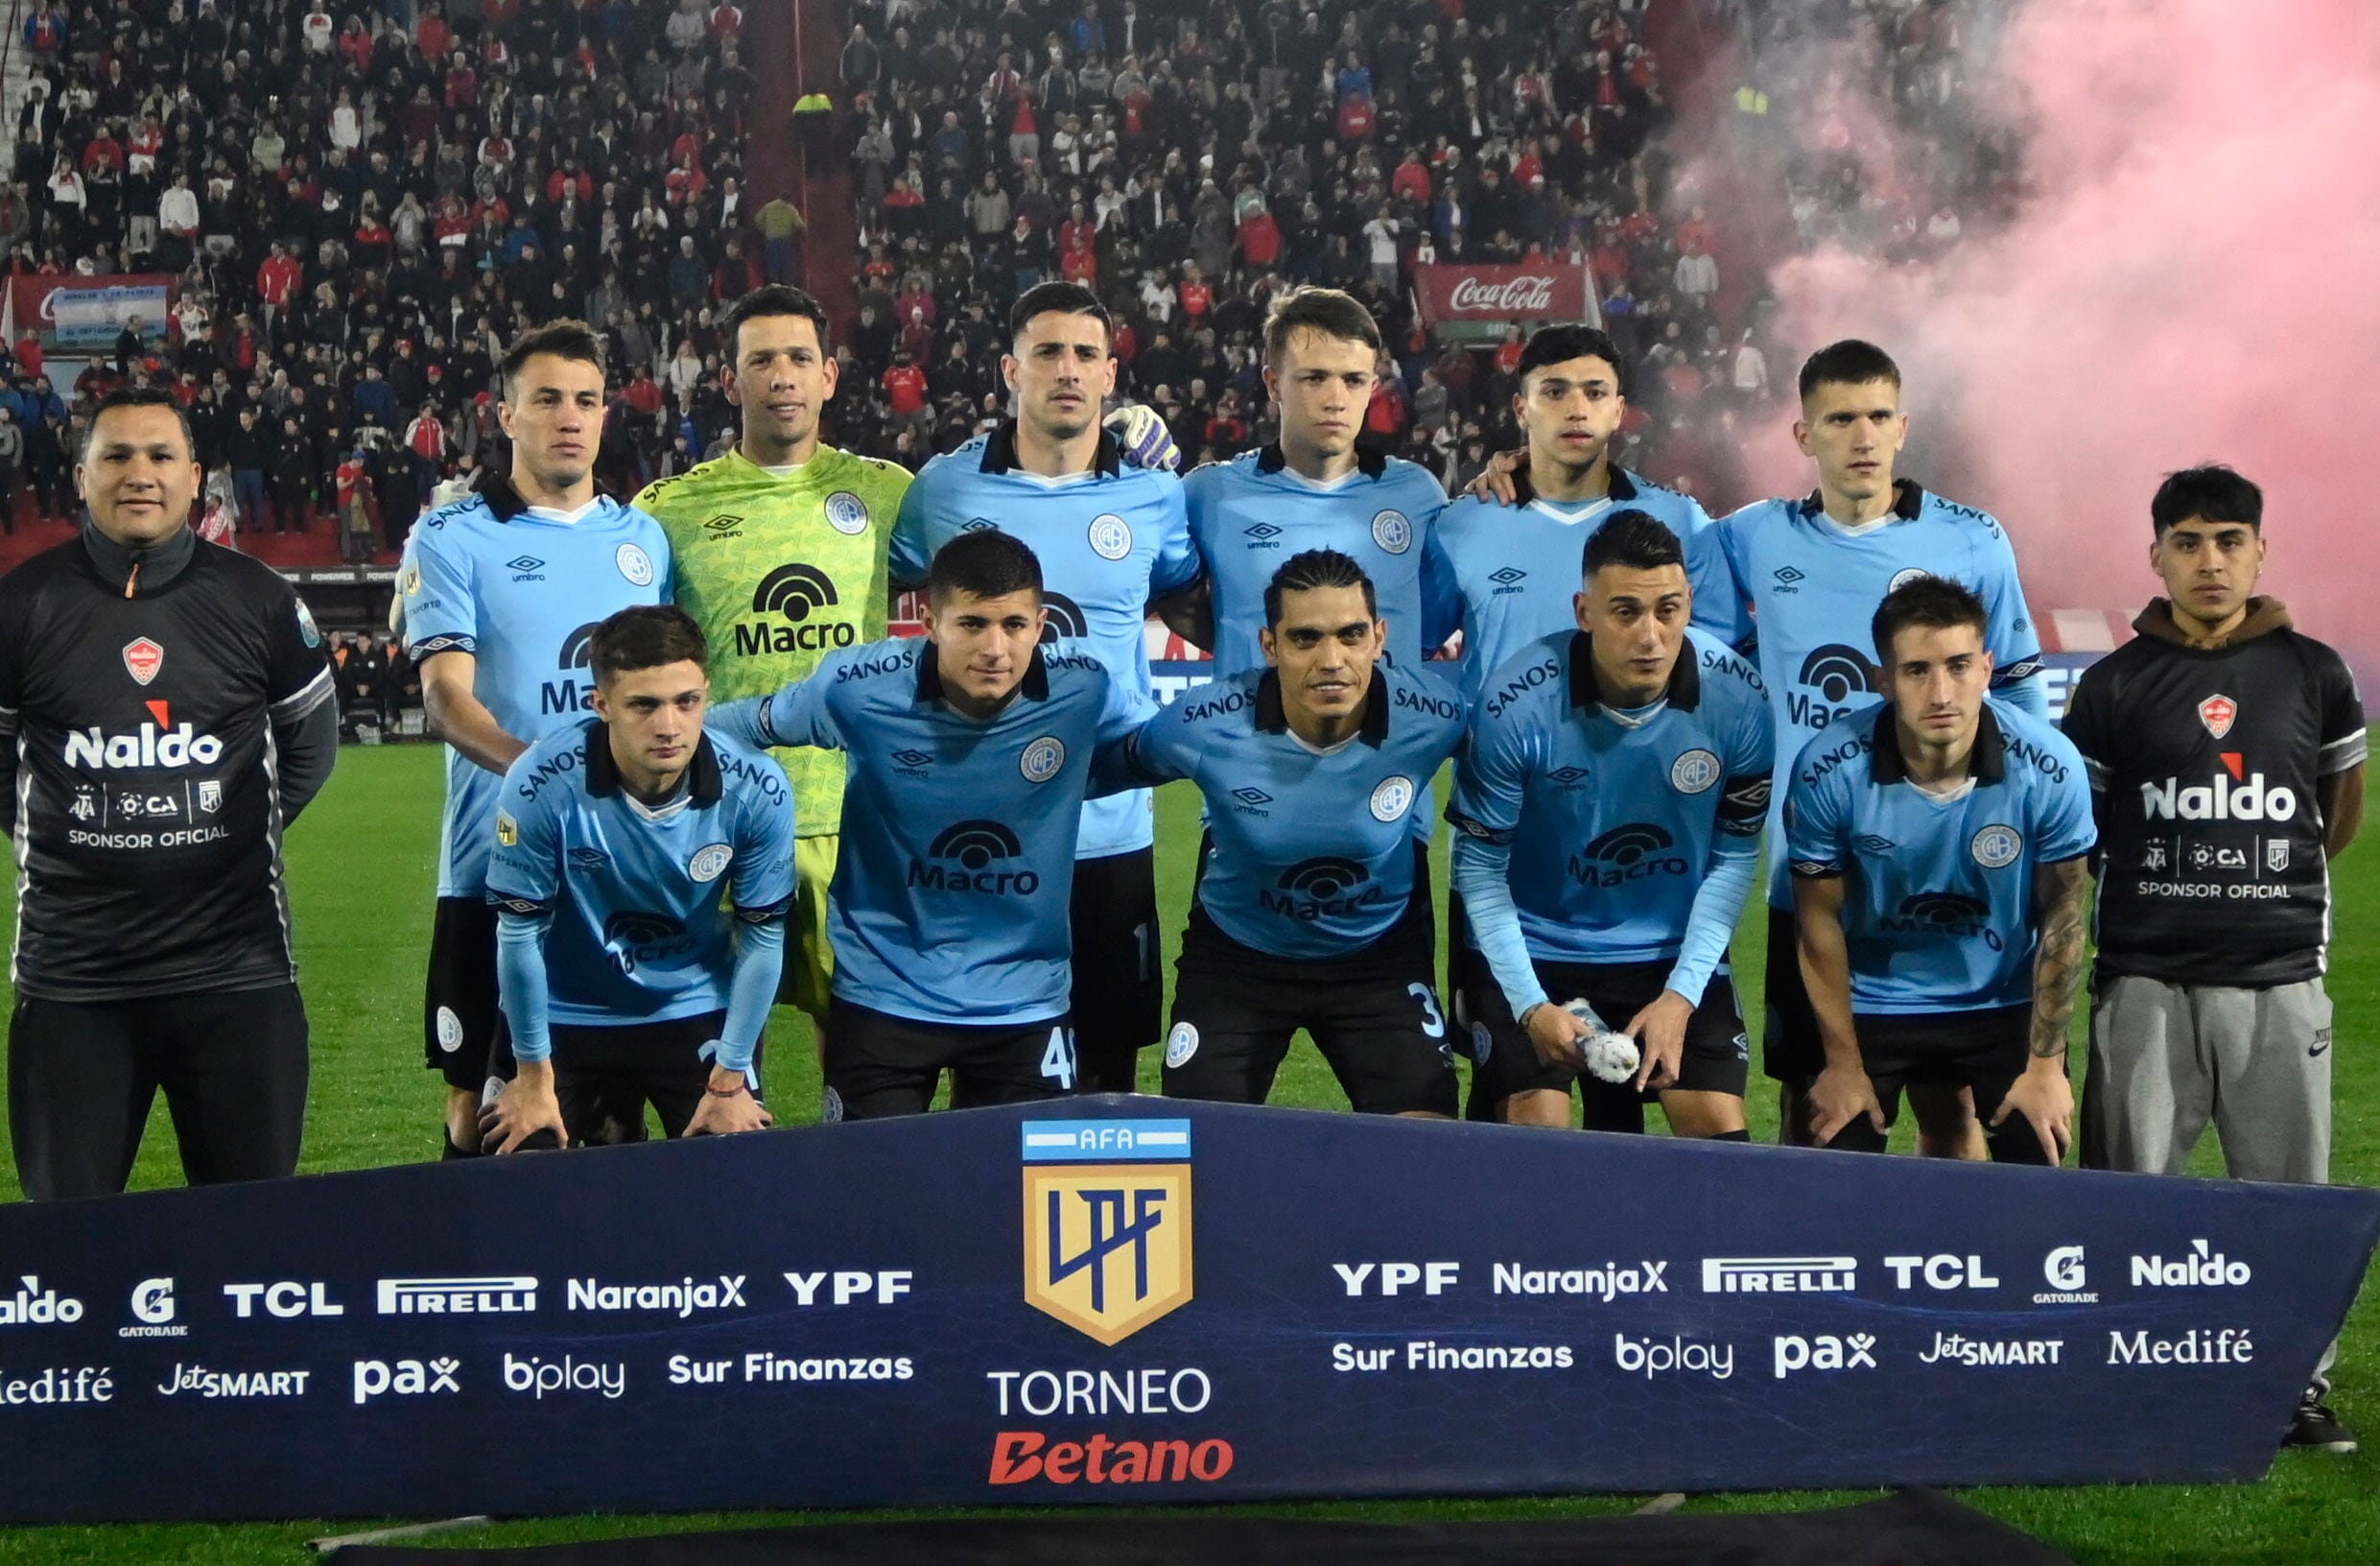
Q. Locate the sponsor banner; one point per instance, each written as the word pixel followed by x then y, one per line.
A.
pixel 88 312
pixel 1534 290
pixel 1143 1302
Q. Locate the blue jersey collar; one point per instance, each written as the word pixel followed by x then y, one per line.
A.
pixel 1986 765
pixel 999 452
pixel 1686 678
pixel 1036 685
pixel 702 774
pixel 1908 500
pixel 1370 464
pixel 1272 717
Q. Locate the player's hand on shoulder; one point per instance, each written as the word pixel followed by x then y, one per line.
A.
pixel 1841 1095
pixel 1495 480
pixel 1143 435
pixel 526 1107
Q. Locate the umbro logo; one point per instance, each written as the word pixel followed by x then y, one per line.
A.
pixel 911 758
pixel 1252 800
pixel 724 527
pixel 526 567
pixel 1262 535
pixel 1787 575
pixel 1566 775
pixel 1868 843
pixel 1508 576
pixel 588 859
pixel 977 524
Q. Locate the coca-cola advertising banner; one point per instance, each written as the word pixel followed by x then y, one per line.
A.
pixel 1529 291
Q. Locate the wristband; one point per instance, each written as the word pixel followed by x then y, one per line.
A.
pixel 725 1092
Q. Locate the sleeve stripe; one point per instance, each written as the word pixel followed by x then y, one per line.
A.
pixel 2354 739
pixel 304 699
pixel 764 914
pixel 2022 669
pixel 2341 755
pixel 421 650
pixel 1811 869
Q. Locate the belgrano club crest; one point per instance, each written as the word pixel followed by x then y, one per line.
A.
pixel 1107 1222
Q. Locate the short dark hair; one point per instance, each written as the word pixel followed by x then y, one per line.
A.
pixel 1559 344
pixel 647 636
pixel 1847 363
pixel 1333 312
pixel 563 339
pixel 772 299
pixel 1637 539
pixel 150 396
pixel 983 564
pixel 1317 568
pixel 1931 603
pixel 1058 298
pixel 2211 491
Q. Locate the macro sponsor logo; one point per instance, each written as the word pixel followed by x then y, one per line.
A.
pixel 2199 1345
pixel 962 859
pixel 2067 1277
pixel 1061 618
pixel 639 938
pixel 58 1383
pixel 1605 1282
pixel 403 1378
pixel 1949 914
pixel 567 695
pixel 1957 1348
pixel 540 1377
pixel 1792 1353
pixel 153 1310
pixel 2220 798
pixel 791 594
pixel 1107 1222
pixel 681 1299
pixel 2199 1267
pixel 761 1369
pixel 1324 886
pixel 33 1305
pixel 283 1301
pixel 1831 676
pixel 198 1382
pixel 161 743
pixel 1637 851
pixel 458 1296
pixel 1650 1357
pixel 1779 1274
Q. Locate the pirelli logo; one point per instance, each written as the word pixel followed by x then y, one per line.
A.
pixel 1779 1274
pixel 458 1296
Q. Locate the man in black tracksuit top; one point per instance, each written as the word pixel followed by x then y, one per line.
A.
pixel 165 711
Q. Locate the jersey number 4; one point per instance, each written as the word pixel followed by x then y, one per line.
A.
pixel 1057 1062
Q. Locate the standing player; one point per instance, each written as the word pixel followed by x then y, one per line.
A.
pixel 1938 844
pixel 165 712
pixel 1812 566
pixel 1608 818
pixel 2226 753
pixel 621 972
pixel 779 556
pixel 1311 909
pixel 1111 538
pixel 970 753
pixel 503 592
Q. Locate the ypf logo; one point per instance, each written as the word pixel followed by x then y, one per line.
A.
pixel 1634 852
pixel 635 938
pixel 1832 677
pixel 783 606
pixel 1107 1222
pixel 1061 618
pixel 971 856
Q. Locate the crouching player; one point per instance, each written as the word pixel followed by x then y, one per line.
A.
pixel 1312 904
pixel 623 978
pixel 1607 820
pixel 970 749
pixel 1938 844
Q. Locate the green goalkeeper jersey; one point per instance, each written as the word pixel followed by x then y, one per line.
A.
pixel 780 572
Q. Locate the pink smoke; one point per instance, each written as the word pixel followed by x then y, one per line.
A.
pixel 2193 273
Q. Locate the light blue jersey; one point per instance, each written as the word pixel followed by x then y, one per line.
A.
pixel 1312 851
pixel 1517 567
pixel 1250 514
pixel 951 890
pixel 1606 835
pixel 1938 900
pixel 1814 587
pixel 1109 541
pixel 633 891
pixel 522 593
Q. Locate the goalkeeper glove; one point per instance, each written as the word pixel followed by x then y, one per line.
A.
pixel 1146 440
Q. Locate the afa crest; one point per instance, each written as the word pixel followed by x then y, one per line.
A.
pixel 1107 1222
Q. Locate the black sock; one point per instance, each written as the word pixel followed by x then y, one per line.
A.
pixel 1728 1136
pixel 455 1149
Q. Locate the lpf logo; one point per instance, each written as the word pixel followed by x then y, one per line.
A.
pixel 1107 1222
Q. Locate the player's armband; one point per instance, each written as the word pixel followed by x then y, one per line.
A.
pixel 1744 808
pixel 765 912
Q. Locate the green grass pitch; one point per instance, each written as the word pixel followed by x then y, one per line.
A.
pixel 363 873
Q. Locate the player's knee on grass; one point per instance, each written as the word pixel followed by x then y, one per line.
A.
pixel 1536 1106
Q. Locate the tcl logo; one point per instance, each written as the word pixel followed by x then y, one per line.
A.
pixel 163 743
pixel 2221 798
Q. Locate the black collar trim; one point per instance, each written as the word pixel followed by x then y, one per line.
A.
pixel 1988 763
pixel 1273 717
pixel 1685 691
pixel 702 774
pixel 1370 463
pixel 144 570
pixel 1036 686
pixel 1622 488
pixel 1908 500
pixel 999 452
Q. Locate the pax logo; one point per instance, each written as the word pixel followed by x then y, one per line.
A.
pixel 1854 1351
pixel 141 659
pixel 404 1378
pixel 2217 713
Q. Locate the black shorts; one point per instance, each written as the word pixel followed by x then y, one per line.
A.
pixel 1119 985
pixel 1790 1052
pixel 461 1020
pixel 1984 1051
pixel 1716 1059
pixel 1373 1013
pixel 604 1077
pixel 877 1064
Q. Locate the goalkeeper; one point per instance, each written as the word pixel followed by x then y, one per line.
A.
pixel 1607 817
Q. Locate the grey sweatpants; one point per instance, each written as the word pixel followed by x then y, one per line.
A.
pixel 2166 1058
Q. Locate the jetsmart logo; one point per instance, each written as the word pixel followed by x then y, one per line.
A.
pixel 2200 1268
pixel 964 857
pixel 1320 886
pixel 1779 1274
pixel 1627 853
pixel 163 743
pixel 791 594
pixel 2234 798
pixel 458 1296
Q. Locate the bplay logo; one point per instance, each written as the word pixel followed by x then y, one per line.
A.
pixel 1649 1356
pixel 1823 1351
pixel 540 1376
pixel 404 1378
pixel 35 1306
